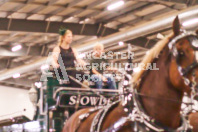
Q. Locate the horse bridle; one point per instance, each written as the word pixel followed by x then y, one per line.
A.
pixel 192 37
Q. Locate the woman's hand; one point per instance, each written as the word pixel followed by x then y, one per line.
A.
pixel 56 65
pixel 104 79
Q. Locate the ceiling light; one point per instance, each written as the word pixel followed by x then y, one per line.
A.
pixel 43 67
pixel 121 43
pixel 38 84
pixel 137 69
pixel 17 47
pixel 115 5
pixel 81 22
pixel 69 19
pixel 87 19
pixel 160 36
pixel 190 22
pixel 17 75
pixel 82 55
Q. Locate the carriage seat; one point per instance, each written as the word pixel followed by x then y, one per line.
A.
pixel 92 84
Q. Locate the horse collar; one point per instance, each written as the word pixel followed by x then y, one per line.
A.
pixel 137 114
pixel 99 118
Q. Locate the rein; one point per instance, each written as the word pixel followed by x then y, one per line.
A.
pixel 164 99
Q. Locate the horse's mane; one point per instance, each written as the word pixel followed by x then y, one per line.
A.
pixel 150 56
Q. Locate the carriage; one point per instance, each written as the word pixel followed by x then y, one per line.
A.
pixel 152 102
pixel 57 101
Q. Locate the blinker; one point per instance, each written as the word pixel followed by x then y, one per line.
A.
pixel 194 42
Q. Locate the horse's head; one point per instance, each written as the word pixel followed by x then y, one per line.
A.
pixel 183 47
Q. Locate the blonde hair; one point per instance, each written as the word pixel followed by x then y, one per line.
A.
pixel 61 37
pixel 99 45
pixel 153 53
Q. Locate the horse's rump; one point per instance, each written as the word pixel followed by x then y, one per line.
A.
pixel 82 125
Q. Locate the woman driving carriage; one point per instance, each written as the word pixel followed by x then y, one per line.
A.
pixel 66 56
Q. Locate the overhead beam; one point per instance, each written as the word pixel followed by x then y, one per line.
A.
pixel 4 40
pixel 72 3
pixel 189 2
pixel 125 12
pixel 25 51
pixel 154 33
pixel 7 40
pixel 4 63
pixel 147 17
pixel 30 1
pixel 17 85
pixel 115 13
pixel 41 7
pixel 142 42
pixel 9 63
pixel 72 14
pixel 90 6
pixel 136 56
pixel 182 1
pixel 21 69
pixel 4 1
pixel 15 10
pixel 89 15
pixel 131 33
pixel 5 50
pixel 51 2
pixel 40 26
pixel 54 12
pixel 93 4
pixel 61 8
pixel 82 40
pixel 18 81
pixel 142 29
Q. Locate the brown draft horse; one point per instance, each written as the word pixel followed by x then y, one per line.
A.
pixel 159 92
